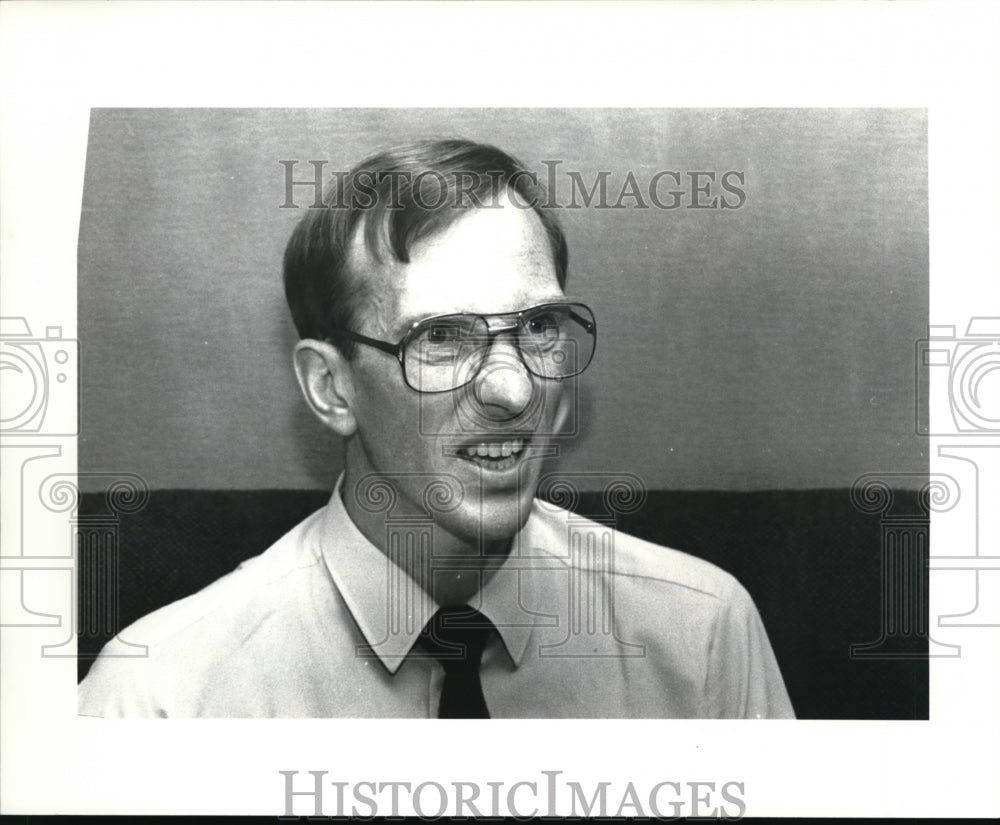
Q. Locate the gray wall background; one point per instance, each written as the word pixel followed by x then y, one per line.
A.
pixel 765 347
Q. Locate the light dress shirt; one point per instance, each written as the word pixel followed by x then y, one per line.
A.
pixel 591 623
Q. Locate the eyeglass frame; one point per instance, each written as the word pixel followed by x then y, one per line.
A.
pixel 399 349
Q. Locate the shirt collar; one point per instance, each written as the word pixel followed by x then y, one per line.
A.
pixel 391 609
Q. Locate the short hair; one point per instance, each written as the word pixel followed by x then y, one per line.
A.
pixel 390 194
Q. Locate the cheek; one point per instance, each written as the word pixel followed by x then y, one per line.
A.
pixel 440 414
pixel 387 415
pixel 391 425
pixel 556 396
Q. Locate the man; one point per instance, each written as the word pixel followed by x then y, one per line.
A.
pixel 438 341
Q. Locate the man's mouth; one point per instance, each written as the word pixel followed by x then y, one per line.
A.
pixel 494 453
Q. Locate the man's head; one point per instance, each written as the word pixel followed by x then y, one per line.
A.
pixel 437 229
pixel 387 204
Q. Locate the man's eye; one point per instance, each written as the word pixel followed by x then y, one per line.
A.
pixel 545 326
pixel 443 334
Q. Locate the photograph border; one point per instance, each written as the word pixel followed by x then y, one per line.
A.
pixel 807 54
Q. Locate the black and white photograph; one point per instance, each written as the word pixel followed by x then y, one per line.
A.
pixel 680 326
pixel 460 416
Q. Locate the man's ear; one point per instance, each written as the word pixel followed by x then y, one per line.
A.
pixel 327 383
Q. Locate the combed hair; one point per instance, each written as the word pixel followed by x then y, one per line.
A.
pixel 399 196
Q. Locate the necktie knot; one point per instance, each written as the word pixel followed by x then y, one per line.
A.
pixel 456 637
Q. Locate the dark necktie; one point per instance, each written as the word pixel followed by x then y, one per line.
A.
pixel 456 636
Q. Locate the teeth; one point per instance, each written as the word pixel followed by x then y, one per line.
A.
pixel 495 449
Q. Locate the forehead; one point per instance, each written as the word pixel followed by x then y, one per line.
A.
pixel 488 260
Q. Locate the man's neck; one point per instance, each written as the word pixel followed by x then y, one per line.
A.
pixel 449 569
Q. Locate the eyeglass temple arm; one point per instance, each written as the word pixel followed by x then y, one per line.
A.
pixel 393 349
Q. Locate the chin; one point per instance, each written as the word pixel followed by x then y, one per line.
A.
pixel 502 530
pixel 494 521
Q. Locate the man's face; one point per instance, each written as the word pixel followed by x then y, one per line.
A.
pixel 490 260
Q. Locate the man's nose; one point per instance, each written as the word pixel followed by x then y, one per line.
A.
pixel 504 388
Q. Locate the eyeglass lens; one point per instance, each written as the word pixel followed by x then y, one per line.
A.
pixel 553 341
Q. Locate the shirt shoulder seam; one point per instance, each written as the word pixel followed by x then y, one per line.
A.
pixel 169 634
